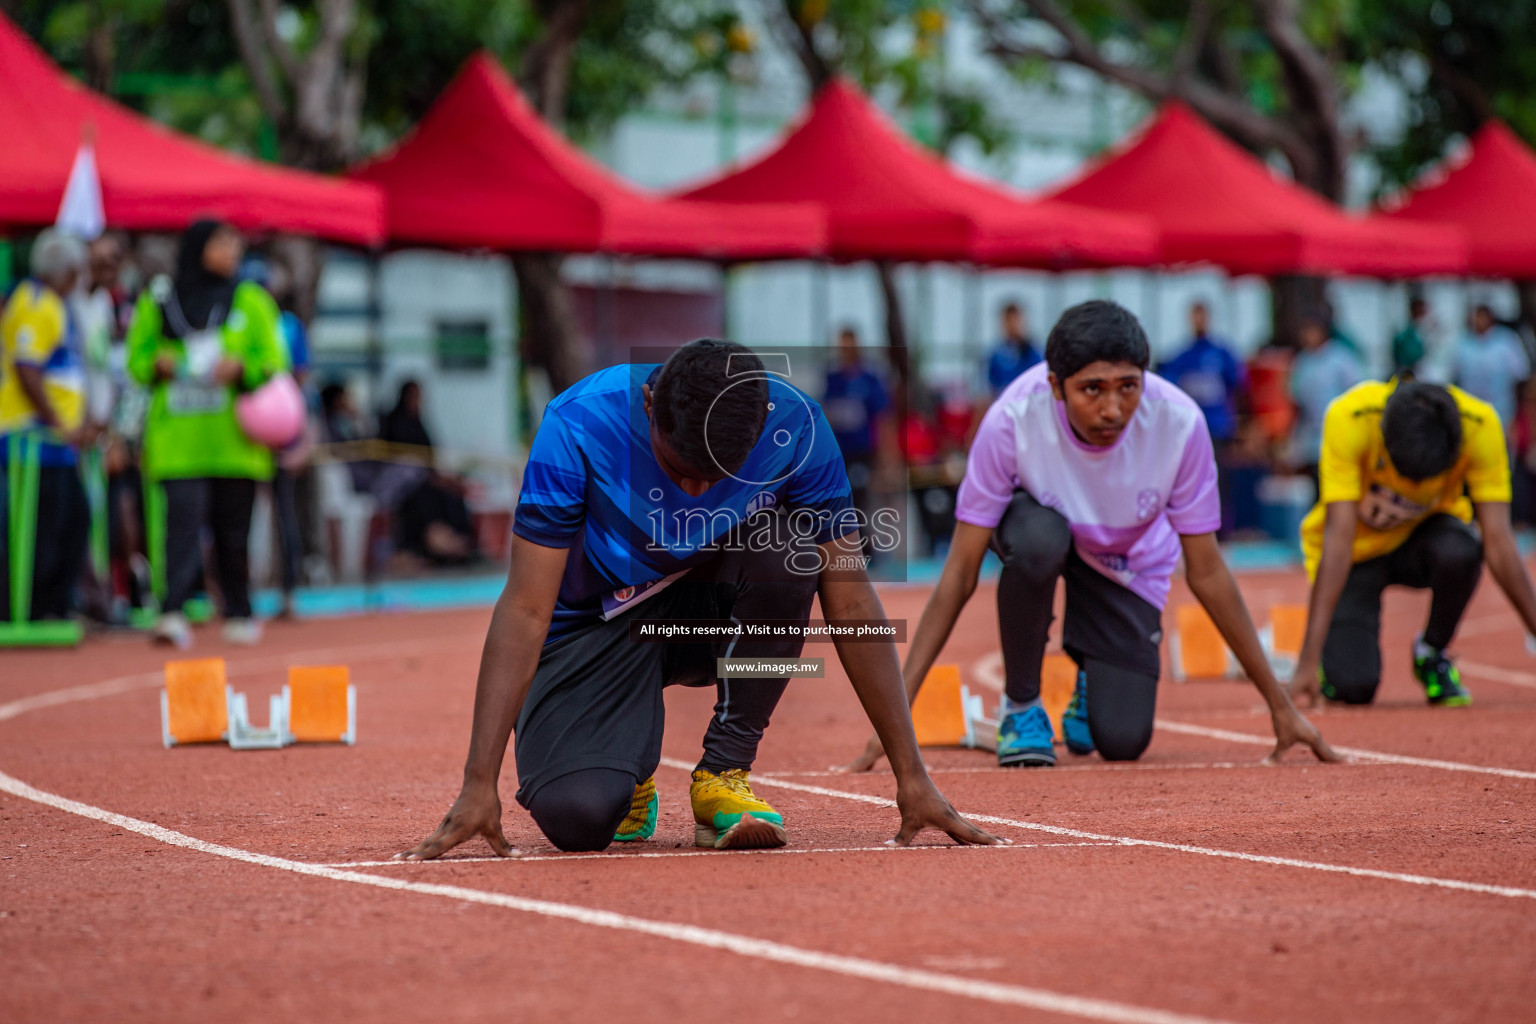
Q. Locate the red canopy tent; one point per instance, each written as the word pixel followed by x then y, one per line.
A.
pixel 888 199
pixel 1491 196
pixel 1215 203
pixel 151 178
pixel 482 170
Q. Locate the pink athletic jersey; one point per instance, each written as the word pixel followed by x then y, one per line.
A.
pixel 1127 504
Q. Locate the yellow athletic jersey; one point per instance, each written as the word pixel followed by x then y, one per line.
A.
pixel 1354 467
pixel 35 330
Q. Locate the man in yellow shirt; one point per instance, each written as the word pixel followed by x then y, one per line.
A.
pixel 1405 467
pixel 42 392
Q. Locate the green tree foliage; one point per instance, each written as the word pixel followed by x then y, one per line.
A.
pixel 1460 62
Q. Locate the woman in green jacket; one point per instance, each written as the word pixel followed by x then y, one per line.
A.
pixel 199 341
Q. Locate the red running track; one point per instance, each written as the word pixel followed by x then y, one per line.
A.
pixel 138 883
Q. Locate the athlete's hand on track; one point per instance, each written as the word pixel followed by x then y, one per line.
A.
pixel 1304 683
pixel 1291 728
pixel 923 806
pixel 477 812
pixel 873 752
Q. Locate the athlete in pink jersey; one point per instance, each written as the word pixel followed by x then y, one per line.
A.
pixel 1091 469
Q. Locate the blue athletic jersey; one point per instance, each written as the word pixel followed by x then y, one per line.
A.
pixel 593 485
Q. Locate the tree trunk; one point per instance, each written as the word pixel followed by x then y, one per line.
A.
pixel 1527 292
pixel 1294 297
pixel 550 339
pixel 895 335
pixel 303 258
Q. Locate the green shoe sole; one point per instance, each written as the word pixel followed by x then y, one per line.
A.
pixel 644 831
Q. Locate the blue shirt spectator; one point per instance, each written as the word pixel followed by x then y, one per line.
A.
pixel 1014 354
pixel 1322 371
pixel 1490 362
pixel 1208 372
pixel 854 400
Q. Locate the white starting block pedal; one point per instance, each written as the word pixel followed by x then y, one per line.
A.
pixel 980 731
pixel 245 736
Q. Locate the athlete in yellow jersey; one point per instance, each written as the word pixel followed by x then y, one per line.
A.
pixel 1406 470
pixel 42 394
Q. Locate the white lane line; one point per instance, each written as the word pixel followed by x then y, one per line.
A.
pixel 1482 625
pixel 709 938
pixel 1204 851
pixel 988 670
pixel 1495 674
pixel 615 855
pixel 834 773
pixel 1370 755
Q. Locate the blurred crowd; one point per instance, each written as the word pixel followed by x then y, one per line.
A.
pixel 135 382
pixel 175 388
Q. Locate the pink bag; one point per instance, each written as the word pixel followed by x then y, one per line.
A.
pixel 274 413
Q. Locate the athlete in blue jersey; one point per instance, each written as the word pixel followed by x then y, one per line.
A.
pixel 705 488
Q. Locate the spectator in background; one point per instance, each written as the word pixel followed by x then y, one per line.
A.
pixel 1323 370
pixel 855 401
pixel 1208 372
pixel 42 388
pixel 433 518
pixel 338 415
pixel 1491 363
pixel 198 341
pixel 1409 344
pixel 1015 353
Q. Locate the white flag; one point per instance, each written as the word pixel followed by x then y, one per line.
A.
pixel 81 212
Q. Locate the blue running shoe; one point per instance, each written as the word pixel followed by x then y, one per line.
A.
pixel 1074 721
pixel 1024 736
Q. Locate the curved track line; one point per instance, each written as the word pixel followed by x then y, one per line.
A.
pixel 1204 851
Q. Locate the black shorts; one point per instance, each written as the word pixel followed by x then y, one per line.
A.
pixel 595 700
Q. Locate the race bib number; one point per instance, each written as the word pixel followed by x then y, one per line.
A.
pixel 191 398
pixel 1382 509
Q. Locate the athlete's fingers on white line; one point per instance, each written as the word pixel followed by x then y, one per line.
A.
pixel 499 843
pixel 970 835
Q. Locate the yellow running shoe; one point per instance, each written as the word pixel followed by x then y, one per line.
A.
pixel 727 815
pixel 640 822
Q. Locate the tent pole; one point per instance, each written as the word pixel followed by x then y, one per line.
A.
pixel 375 353
pixel 971 346
pixel 821 302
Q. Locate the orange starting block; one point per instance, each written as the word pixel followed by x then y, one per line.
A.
pixel 322 704
pixel 948 714
pixel 1196 649
pixel 319 705
pixel 938 713
pixel 194 706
